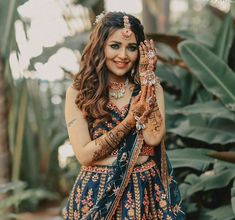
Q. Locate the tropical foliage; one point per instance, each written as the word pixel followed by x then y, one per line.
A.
pixel 200 103
pixel 198 75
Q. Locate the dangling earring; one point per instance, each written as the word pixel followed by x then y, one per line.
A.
pixel 132 72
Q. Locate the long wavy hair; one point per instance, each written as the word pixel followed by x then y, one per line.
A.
pixel 92 79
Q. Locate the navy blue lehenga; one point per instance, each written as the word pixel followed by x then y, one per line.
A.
pixel 126 190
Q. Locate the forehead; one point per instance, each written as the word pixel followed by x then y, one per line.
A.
pixel 117 36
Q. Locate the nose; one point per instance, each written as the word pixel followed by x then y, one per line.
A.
pixel 123 53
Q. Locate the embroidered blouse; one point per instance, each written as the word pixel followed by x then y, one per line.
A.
pixel 117 116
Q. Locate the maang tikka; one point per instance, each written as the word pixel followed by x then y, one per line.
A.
pixel 126 31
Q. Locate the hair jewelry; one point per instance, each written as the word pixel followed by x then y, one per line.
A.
pixel 126 31
pixel 99 17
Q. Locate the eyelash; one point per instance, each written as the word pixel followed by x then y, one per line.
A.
pixel 130 48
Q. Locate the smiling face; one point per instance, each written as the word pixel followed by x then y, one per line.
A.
pixel 121 54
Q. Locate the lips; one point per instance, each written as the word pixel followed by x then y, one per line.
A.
pixel 120 64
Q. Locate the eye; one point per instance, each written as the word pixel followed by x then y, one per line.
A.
pixel 132 48
pixel 114 46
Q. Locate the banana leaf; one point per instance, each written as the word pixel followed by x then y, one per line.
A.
pixel 202 95
pixel 188 85
pixel 214 108
pixel 224 38
pixel 36 194
pixel 211 181
pixel 17 185
pixel 166 74
pixel 171 40
pixel 233 197
pixel 190 157
pixel 222 213
pixel 198 128
pixel 213 73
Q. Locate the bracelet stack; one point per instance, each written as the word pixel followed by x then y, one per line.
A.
pixel 149 78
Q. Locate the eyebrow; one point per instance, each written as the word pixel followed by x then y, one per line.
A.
pixel 117 42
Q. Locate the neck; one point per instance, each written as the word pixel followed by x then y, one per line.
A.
pixel 117 79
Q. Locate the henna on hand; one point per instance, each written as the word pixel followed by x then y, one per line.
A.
pixel 110 141
pixel 155 119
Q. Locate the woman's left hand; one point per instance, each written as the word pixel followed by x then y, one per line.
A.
pixel 148 57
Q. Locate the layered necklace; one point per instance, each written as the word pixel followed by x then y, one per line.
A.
pixel 118 89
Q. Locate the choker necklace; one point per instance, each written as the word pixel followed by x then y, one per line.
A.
pixel 119 89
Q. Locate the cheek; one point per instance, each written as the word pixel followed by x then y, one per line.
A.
pixel 134 57
pixel 108 53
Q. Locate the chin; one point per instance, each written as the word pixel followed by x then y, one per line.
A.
pixel 121 73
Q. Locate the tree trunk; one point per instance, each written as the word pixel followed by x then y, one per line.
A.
pixel 4 146
pixel 156 15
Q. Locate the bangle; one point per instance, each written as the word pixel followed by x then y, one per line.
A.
pixel 149 78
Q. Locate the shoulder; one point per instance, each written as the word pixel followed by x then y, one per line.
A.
pixel 71 93
pixel 71 108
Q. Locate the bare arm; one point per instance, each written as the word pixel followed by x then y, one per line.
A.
pixel 88 151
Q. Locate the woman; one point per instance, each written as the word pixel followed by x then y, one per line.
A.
pixel 115 118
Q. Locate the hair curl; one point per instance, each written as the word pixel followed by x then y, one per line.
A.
pixel 92 79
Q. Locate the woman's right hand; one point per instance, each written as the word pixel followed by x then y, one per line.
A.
pixel 139 104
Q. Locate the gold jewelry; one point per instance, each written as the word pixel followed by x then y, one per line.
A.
pixel 126 31
pixel 151 54
pixel 149 78
pixel 99 17
pixel 119 89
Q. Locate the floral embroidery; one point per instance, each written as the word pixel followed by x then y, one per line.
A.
pixel 146 202
pixel 176 209
pixel 160 214
pixel 78 196
pixel 158 192
pixel 139 199
pixel 130 206
pixel 142 201
pixel 142 177
pixel 95 177
pixel 87 202
pixel 168 217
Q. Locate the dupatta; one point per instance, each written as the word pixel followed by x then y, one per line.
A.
pixel 128 153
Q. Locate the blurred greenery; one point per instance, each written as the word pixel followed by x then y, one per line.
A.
pixel 197 70
pixel 201 138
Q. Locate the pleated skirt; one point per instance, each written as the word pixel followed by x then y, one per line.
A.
pixel 143 198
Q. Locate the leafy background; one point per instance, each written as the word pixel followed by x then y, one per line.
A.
pixel 197 70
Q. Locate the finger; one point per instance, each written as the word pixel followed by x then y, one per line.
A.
pixel 143 93
pixel 152 92
pixel 148 92
pixel 141 49
pixel 152 46
pixel 147 45
pixel 137 98
pixel 144 47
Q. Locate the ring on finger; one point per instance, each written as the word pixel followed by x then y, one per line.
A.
pixel 151 54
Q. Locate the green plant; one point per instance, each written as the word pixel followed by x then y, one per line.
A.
pixel 200 103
